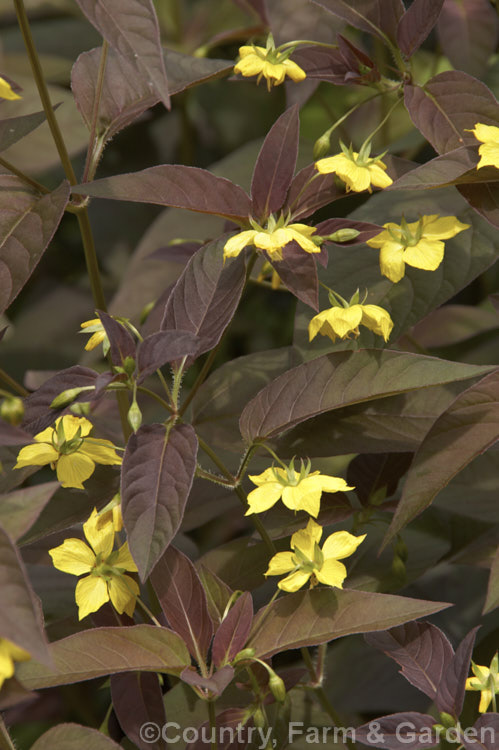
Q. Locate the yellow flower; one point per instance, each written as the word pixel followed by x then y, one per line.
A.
pixel 489 150
pixel 67 449
pixel 299 490
pixel 270 64
pixel 486 680
pixel 6 90
pixel 308 560
pixel 357 170
pixel 106 580
pixel 341 321
pixel 9 653
pixel 99 335
pixel 273 238
pixel 419 244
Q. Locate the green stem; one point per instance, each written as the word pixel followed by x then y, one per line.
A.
pixel 213 724
pixel 147 611
pixel 91 259
pixel 273 454
pixel 34 183
pixel 156 396
pixel 17 387
pixel 218 463
pixel 5 740
pixel 381 124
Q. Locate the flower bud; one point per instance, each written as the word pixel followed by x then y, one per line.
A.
pixel 322 146
pixel 246 653
pixel 12 410
pixel 129 366
pixel 67 396
pixel 134 416
pixel 277 687
pixel 80 409
pixel 447 720
pixel 343 235
pixel 259 718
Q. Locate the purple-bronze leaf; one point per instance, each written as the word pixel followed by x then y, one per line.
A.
pixel 467 31
pixel 138 702
pixel 304 198
pixel 20 509
pixel 410 730
pixel 375 473
pixel 492 598
pixel 450 693
pixel 234 630
pixel 27 224
pixel 308 618
pixel 20 615
pixel 484 199
pixel 345 65
pixel 13 129
pixel 449 105
pixel 452 168
pixel 157 473
pixel 468 427
pixel 217 594
pixel 183 601
pixel 486 733
pixel 215 684
pixel 75 737
pixel 416 24
pixel 256 6
pixel 298 272
pixel 206 295
pixel 12 435
pixel 341 379
pixel 131 28
pixel 174 185
pixel 166 346
pixel 275 165
pixel 232 718
pixel 373 16
pixel 102 651
pixel 121 341
pixel 421 649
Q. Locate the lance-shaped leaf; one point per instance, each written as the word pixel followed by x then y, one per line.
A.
pixel 421 649
pixel 275 165
pixel 487 732
pixel 342 66
pixel 374 16
pixel 410 730
pixel 450 693
pixel 166 346
pixel 183 601
pixel 217 593
pixel 102 651
pixel 298 272
pixel 467 31
pixel 175 185
pixel 465 430
pixel 454 167
pixel 131 28
pixel 121 341
pixel 13 129
pixel 20 614
pixel 206 295
pixel 27 224
pixel 305 197
pixel 74 737
pixel 156 478
pixel 416 24
pixel 234 630
pixel 447 106
pixel 492 598
pixel 20 509
pixel 138 702
pixel 308 618
pixel 340 379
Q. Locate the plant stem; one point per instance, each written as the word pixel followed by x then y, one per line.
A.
pixel 34 183
pixel 156 396
pixel 213 724
pixel 5 740
pixel 17 387
pixel 147 611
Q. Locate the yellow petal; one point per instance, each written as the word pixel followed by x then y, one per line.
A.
pixel 306 539
pixel 101 451
pixel 72 424
pixel 489 155
pixel 235 244
pixel 264 497
pixel 267 476
pixel 377 320
pixel 73 556
pixel 123 592
pixel 94 340
pixel 73 469
pixel 275 72
pixel 332 573
pixel 333 484
pixel 437 227
pixel 125 560
pixel 249 65
pixel 6 90
pixel 427 254
pixel 281 563
pixel 357 178
pixel 294 581
pixel 100 535
pixel 330 164
pixel 391 261
pixel 383 237
pixel 9 653
pixel 473 683
pixel 294 71
pixel 303 497
pixel 90 594
pixel 249 49
pixel 45 436
pixel 341 544
pixel 486 133
pixel 344 320
pixel 485 700
pixel 38 454
pixel 379 178
pixel 317 324
pixel 303 240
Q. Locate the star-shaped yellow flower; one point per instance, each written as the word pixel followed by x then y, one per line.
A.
pixel 105 580
pixel 299 490
pixel 358 171
pixel 269 64
pixel 9 653
pixel 489 150
pixel 99 335
pixel 486 680
pixel 6 90
pixel 273 238
pixel 342 321
pixel 69 450
pixel 308 560
pixel 419 244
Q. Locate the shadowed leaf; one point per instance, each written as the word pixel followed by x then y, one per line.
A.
pixel 409 730
pixel 157 473
pixel 13 129
pixel 20 509
pixel 122 343
pixel 20 614
pixel 416 24
pixel 12 435
pixel 131 28
pixel 449 169
pixel 275 165
pixel 27 224
pixel 234 630
pixel 257 6
pixel 174 185
pixel 421 649
pixel 166 346
pixel 467 31
pixel 215 684
pixel 183 601
pixel 206 295
pixel 74 737
pixel 466 429
pixel 138 702
pixel 340 379
pixel 308 618
pixel 492 598
pixel 372 16
pixel 487 732
pixel 102 651
pixel 298 272
pixel 450 693
pixel 230 718
pixel 372 474
pixel 303 198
